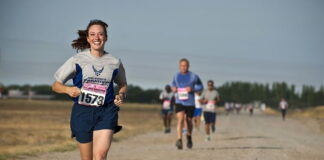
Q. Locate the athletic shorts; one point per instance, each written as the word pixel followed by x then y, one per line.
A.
pixel 210 117
pixel 189 110
pixel 198 112
pixel 166 111
pixel 85 120
pixel 283 111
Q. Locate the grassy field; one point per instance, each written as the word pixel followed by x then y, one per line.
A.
pixel 316 113
pixel 32 127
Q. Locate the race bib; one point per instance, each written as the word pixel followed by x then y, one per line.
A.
pixel 166 104
pixel 183 93
pixel 92 94
pixel 210 105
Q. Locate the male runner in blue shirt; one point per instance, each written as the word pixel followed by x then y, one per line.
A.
pixel 184 84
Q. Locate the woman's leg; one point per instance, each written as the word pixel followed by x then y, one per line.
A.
pixel 207 128
pixel 169 119
pixel 101 143
pixel 85 150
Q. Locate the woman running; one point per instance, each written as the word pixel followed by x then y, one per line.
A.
pixel 94 116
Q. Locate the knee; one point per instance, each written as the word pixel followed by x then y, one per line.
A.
pixel 100 155
pixel 180 120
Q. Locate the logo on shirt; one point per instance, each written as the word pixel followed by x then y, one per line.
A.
pixel 97 72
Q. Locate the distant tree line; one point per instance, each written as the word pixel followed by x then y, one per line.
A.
pixel 246 92
pixel 134 94
pixel 242 92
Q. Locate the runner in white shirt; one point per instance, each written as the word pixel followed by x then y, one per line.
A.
pixel 209 98
pixel 227 108
pixel 283 106
pixel 238 108
pixel 198 110
pixel 167 99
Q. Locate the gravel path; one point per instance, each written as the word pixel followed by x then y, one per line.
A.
pixel 259 137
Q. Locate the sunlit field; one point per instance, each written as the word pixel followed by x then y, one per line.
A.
pixel 35 126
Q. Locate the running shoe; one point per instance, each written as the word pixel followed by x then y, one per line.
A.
pixel 168 130
pixel 189 142
pixel 207 138
pixel 179 144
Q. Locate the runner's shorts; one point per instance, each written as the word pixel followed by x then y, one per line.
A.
pixel 198 112
pixel 85 120
pixel 166 111
pixel 189 110
pixel 210 117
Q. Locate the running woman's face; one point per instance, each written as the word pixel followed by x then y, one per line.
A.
pixel 210 86
pixel 183 66
pixel 96 37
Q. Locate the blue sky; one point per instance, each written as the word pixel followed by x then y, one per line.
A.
pixel 231 40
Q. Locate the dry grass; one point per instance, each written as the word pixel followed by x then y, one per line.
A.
pixel 316 113
pixel 271 111
pixel 32 127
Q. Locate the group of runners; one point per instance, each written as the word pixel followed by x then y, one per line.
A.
pixel 237 107
pixel 188 99
pixel 250 107
pixel 94 116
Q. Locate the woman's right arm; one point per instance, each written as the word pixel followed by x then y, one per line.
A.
pixel 58 87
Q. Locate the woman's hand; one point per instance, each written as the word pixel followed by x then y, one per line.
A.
pixel 58 87
pixel 73 91
pixel 119 100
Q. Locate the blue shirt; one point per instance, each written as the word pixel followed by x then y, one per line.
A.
pixel 187 80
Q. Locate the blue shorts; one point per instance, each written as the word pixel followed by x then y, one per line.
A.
pixel 198 112
pixel 166 111
pixel 210 117
pixel 85 120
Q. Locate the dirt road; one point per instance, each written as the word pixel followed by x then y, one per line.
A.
pixel 238 137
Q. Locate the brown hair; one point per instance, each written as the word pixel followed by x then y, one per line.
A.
pixel 210 81
pixel 81 42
